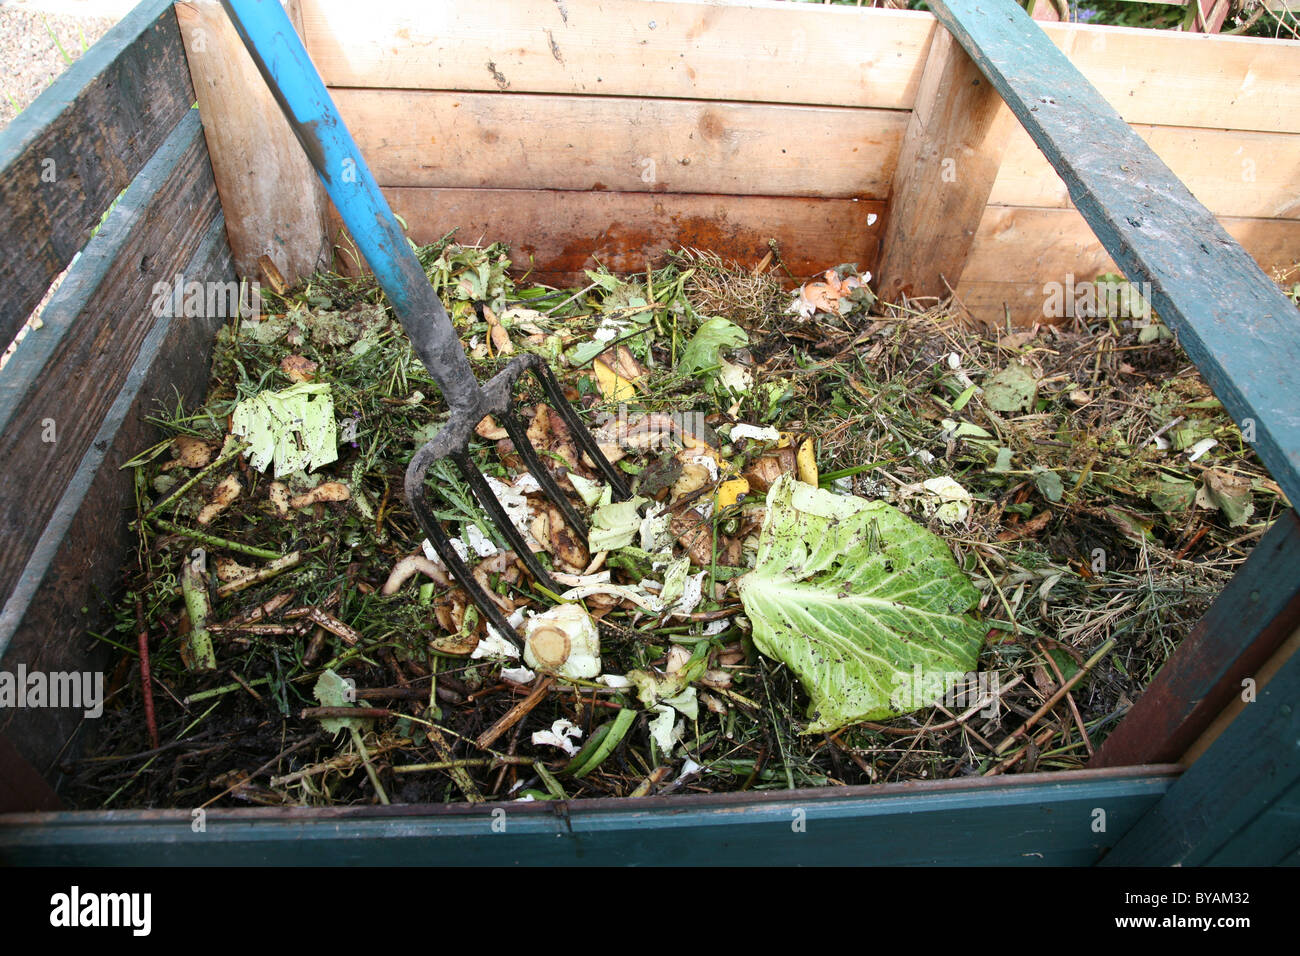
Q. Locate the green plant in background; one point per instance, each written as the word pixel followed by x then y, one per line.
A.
pixel 1247 17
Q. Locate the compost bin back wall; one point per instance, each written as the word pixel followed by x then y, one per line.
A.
pixel 76 396
pixel 610 133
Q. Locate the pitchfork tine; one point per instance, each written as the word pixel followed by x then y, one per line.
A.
pixel 459 570
pixel 483 492
pixel 519 436
pixel 586 441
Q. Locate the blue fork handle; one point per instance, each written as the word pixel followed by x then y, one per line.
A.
pixel 292 78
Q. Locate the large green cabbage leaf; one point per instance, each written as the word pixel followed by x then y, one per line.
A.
pixel 864 605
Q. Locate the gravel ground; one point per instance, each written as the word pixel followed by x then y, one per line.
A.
pixel 32 59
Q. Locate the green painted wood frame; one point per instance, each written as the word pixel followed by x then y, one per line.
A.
pixel 1157 233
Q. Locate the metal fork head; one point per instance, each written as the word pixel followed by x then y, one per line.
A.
pixel 452 443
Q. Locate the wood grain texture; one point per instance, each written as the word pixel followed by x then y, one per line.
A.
pixel 1231 318
pixel 1017 251
pixel 1025 820
pixel 66 375
pixel 66 157
pixel 772 52
pixel 946 169
pixel 1257 611
pixel 753 52
pixel 527 141
pixel 76 561
pixel 1187 79
pixel 558 234
pixel 1232 172
pixel 273 201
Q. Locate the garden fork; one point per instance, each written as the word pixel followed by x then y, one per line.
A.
pixel 297 87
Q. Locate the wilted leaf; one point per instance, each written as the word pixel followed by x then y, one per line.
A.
pixel 1173 496
pixel 294 428
pixel 331 690
pixel 861 603
pixel 1048 483
pixel 1229 493
pixel 1011 390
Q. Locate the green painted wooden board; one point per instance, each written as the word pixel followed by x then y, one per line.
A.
pixel 79 552
pixel 1236 325
pixel 67 374
pixel 65 157
pixel 1237 803
pixel 1032 820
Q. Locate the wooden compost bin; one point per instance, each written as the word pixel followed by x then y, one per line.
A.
pixel 615 131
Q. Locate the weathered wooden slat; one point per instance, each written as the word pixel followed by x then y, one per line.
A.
pixel 1186 79
pixel 946 168
pixel 1253 767
pixel 77 559
pixel 1017 251
pixel 557 234
pixel 771 52
pixel 64 376
pixel 65 158
pixel 757 52
pixel 273 201
pixel 1232 172
pixel 1257 611
pixel 528 141
pixel 1234 322
pixel 1028 820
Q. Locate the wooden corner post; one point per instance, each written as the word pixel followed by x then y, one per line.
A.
pixel 273 202
pixel 946 168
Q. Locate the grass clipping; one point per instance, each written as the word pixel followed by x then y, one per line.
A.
pixel 861 602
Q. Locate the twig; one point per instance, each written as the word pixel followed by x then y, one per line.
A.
pixel 277 566
pixel 515 713
pixel 465 762
pixel 1074 708
pixel 1052 701
pixel 265 767
pixel 212 541
pixel 146 679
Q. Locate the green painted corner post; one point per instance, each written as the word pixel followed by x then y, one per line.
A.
pixel 1239 804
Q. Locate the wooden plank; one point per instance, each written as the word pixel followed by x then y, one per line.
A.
pixel 66 157
pixel 1026 820
pixel 1233 321
pixel 527 141
pixel 707 50
pixel 1225 717
pixel 1257 611
pixel 1268 840
pixel 21 787
pixel 752 52
pixel 77 559
pixel 1187 79
pixel 1232 172
pixel 558 234
pixel 63 378
pixel 273 201
pixel 1017 251
pixel 947 167
pixel 1211 808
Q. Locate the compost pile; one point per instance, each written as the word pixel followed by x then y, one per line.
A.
pixel 862 547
